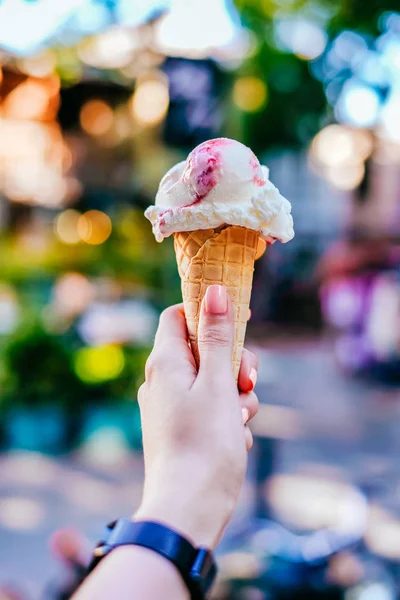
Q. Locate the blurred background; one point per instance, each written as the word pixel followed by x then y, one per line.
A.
pixel 98 98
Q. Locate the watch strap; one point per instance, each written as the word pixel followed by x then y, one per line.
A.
pixel 196 565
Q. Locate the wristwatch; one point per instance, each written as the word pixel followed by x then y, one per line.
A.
pixel 196 565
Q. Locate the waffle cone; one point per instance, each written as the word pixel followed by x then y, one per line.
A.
pixel 223 256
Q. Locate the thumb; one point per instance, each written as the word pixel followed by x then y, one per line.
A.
pixel 216 333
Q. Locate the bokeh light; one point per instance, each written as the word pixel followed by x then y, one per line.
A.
pixel 102 363
pixel 333 145
pixel 34 182
pixel 23 140
pixel 358 105
pixel 339 153
pixel 96 117
pixel 337 145
pixel 383 531
pixel 73 293
pixel 187 29
pixel 29 100
pixel 363 143
pixel 305 38
pixel 345 177
pixel 240 565
pixel 107 449
pixel 123 123
pixel 250 94
pixel 387 152
pixel 128 321
pixel 311 503
pixel 9 308
pixel 21 514
pixel 32 468
pixel 66 226
pixel 110 49
pixel 371 590
pixel 94 227
pixel 150 102
pixel 389 125
pixel 345 569
pixel 39 65
pixel 349 45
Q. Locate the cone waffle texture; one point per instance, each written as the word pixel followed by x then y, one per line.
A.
pixel 224 257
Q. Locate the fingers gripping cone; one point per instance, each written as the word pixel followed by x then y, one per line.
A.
pixel 223 256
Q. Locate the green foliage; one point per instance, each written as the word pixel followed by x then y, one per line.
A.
pixel 38 369
pixel 355 14
pixel 38 365
pixel 297 105
pixel 296 101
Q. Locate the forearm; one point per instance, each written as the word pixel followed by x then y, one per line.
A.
pixel 131 572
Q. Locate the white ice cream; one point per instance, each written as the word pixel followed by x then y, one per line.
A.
pixel 221 182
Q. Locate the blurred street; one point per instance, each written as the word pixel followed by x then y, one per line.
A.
pixel 99 100
pixel 323 423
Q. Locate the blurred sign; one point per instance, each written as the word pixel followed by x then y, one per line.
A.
pixel 194 113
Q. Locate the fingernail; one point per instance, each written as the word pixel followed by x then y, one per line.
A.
pixel 253 377
pixel 216 300
pixel 245 415
pixel 249 315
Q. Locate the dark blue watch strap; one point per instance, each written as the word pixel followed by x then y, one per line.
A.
pixel 196 565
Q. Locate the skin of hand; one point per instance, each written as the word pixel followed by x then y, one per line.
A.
pixel 195 433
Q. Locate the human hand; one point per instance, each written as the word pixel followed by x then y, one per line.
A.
pixel 195 432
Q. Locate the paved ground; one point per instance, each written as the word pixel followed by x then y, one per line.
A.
pixel 322 423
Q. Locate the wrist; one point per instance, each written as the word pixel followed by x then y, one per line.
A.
pixel 200 529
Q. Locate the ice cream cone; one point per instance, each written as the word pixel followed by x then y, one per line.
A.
pixel 221 208
pixel 223 256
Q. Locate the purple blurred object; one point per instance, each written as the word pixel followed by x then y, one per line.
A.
pixel 366 308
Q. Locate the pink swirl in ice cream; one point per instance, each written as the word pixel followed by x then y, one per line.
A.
pixel 221 182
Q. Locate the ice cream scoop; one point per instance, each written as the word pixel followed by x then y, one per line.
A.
pixel 220 183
